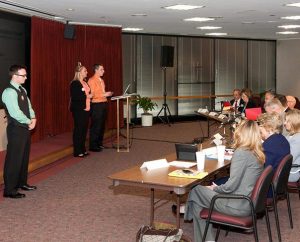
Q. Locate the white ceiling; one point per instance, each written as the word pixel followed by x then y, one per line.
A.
pixel 264 15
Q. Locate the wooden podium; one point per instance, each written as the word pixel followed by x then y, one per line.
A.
pixel 118 98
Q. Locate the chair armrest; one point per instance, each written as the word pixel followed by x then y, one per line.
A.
pixel 231 196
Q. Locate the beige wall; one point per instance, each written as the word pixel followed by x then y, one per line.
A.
pixel 288 67
pixel 3 123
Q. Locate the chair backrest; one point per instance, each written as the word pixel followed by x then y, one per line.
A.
pixel 260 190
pixel 281 175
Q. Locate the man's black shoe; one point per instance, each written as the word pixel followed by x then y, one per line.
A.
pixel 96 149
pixel 14 195
pixel 28 187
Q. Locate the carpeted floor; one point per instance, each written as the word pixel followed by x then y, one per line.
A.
pixel 79 203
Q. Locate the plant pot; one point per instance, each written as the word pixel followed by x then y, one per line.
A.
pixel 147 119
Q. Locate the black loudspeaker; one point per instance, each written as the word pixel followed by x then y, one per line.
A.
pixel 69 32
pixel 167 56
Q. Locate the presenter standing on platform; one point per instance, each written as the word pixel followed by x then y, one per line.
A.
pixel 98 108
pixel 80 108
pixel 20 120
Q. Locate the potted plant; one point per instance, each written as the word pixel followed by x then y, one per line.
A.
pixel 147 105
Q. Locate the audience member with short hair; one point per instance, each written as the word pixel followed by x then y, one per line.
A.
pixel 293 102
pixel 246 166
pixel 283 101
pixel 237 103
pixel 292 125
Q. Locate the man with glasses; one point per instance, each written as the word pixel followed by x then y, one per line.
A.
pixel 20 120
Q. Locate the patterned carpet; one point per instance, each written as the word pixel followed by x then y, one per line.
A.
pixel 79 203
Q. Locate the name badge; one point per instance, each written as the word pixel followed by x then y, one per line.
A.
pixel 22 98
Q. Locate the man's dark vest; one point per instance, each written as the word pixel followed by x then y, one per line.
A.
pixel 23 105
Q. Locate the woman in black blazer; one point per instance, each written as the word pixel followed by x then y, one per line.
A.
pixel 246 95
pixel 80 108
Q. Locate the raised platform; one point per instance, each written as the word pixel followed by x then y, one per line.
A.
pixel 47 152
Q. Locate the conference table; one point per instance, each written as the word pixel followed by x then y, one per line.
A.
pixel 158 179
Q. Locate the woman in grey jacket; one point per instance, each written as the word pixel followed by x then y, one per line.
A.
pixel 246 167
pixel 292 125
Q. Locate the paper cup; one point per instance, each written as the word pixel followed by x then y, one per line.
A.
pixel 200 156
pixel 221 153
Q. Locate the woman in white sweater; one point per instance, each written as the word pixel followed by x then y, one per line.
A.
pixel 292 125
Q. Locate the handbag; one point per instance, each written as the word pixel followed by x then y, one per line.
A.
pixel 150 234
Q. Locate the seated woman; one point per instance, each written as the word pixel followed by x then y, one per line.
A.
pixel 275 145
pixel 292 125
pixel 246 166
pixel 246 95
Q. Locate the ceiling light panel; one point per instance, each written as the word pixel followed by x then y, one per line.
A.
pixel 292 26
pixel 291 17
pixel 182 7
pixel 198 19
pixel 287 32
pixel 293 5
pixel 208 27
pixel 216 34
pixel 131 29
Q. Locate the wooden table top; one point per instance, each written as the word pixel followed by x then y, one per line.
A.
pixel 159 178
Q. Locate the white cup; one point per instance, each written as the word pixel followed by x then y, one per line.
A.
pixel 221 153
pixel 200 156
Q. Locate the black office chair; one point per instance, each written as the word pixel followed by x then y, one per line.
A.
pixel 280 190
pixel 256 203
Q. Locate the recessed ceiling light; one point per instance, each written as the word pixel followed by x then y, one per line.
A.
pixel 70 9
pixel 59 18
pixel 132 29
pixel 216 34
pixel 208 27
pixel 182 7
pixel 272 21
pixel 248 22
pixel 289 26
pixel 291 17
pixel 139 15
pixel 293 5
pixel 199 19
pixel 287 32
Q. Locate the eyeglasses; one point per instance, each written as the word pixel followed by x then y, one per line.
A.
pixel 25 75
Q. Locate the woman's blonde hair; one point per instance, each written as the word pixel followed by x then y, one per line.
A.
pixel 272 122
pixel 293 118
pixel 247 136
pixel 78 69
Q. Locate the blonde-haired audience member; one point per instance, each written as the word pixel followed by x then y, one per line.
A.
pixel 292 125
pixel 274 105
pixel 246 166
pixel 275 145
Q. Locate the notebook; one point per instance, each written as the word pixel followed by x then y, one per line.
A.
pixel 252 113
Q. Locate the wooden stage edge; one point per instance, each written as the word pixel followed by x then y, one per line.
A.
pixel 45 160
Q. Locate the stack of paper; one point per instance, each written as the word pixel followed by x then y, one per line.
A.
pixel 155 164
pixel 183 164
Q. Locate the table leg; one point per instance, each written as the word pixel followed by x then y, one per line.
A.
pixel 152 207
pixel 178 212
